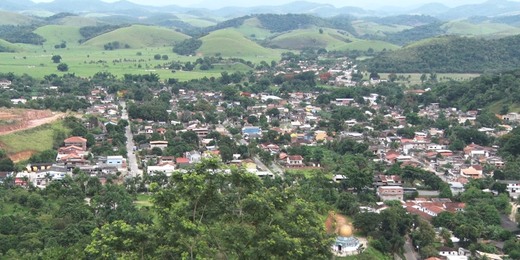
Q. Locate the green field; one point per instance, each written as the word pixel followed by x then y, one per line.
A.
pixel 89 58
pixel 36 139
pixel 87 61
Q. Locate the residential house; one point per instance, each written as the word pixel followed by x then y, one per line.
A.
pixel 513 187
pixel 271 148
pixel 295 161
pixel 511 117
pixel 182 162
pixel 320 135
pixel 70 150
pixel 201 132
pixel 387 180
pixel 161 144
pixel 193 157
pixel 474 172
pixel 76 141
pixel 116 161
pixel 251 132
pixel 390 193
pixel 167 167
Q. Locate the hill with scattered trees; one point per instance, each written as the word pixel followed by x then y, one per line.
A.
pixel 451 54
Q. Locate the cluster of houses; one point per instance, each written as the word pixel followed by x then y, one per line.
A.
pixel 75 154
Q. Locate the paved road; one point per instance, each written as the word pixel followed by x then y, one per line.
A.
pixel 409 253
pixel 274 170
pixel 428 193
pixel 132 159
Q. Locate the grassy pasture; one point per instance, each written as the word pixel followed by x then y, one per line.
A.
pixel 35 139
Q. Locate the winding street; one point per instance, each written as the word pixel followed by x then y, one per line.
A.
pixel 134 170
pixel 409 252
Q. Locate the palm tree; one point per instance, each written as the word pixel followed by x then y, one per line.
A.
pixel 48 178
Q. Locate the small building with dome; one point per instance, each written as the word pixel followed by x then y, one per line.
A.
pixel 346 243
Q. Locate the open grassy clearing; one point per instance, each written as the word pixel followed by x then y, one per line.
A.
pixel 143 200
pixel 87 61
pixel 36 139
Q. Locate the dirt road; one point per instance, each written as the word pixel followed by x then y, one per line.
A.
pixel 34 123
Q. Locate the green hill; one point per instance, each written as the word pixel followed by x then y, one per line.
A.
pixel 309 38
pixel 329 39
pixel 372 28
pixel 252 29
pixel 55 34
pixel 229 42
pixel 139 36
pixel 452 54
pixel 6 46
pixel 78 21
pixel 195 20
pixel 479 29
pixel 9 18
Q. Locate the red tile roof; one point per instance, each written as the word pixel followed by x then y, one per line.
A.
pixel 75 139
pixel 182 160
pixel 295 158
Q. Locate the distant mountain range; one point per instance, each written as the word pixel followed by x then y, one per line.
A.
pixel 491 8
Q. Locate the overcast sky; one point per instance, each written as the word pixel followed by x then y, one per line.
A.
pixel 371 4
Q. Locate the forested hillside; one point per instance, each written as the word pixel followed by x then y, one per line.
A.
pixel 451 54
pixel 195 215
pixel 478 93
pixel 20 34
pixel 278 23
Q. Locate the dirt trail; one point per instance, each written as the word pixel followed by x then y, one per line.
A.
pixel 334 222
pixel 29 119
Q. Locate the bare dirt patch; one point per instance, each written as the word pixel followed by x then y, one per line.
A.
pixel 14 120
pixel 21 156
pixel 335 221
